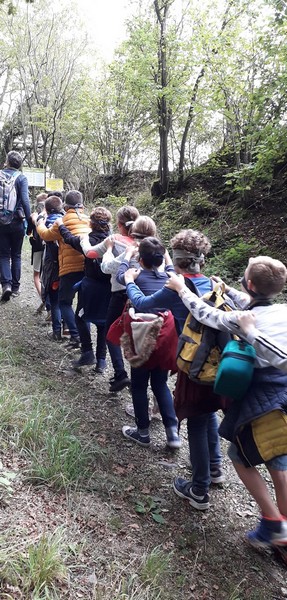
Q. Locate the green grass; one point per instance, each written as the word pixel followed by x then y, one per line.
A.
pixel 138 580
pixel 36 568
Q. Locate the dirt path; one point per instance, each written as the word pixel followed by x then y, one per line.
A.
pixel 105 506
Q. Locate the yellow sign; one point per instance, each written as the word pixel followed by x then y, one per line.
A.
pixel 54 185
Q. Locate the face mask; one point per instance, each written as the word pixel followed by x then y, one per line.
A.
pixel 250 292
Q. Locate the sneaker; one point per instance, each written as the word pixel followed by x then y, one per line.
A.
pixel 101 365
pixel 86 358
pixel 48 317
pixel 40 308
pixel 119 383
pixel 6 292
pixel 74 342
pixel 217 475
pixel 172 438
pixel 268 533
pixel 132 433
pixel 55 336
pixel 15 293
pixel 183 488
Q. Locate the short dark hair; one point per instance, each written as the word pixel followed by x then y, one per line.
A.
pixel 53 204
pixel 14 159
pixel 73 199
pixel 151 251
pixel 58 194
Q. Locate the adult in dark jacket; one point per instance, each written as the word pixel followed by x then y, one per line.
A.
pixel 12 235
pixel 94 291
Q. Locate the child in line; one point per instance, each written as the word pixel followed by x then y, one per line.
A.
pixel 94 291
pixel 193 402
pixel 151 257
pixel 126 215
pixel 263 279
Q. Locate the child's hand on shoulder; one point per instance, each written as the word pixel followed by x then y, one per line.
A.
pixel 131 275
pixel 246 321
pixel 175 282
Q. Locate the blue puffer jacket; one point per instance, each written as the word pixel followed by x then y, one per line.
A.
pixel 267 392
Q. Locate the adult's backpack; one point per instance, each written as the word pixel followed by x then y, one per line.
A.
pixel 200 346
pixel 8 196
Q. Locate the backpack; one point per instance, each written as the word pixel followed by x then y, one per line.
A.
pixel 236 368
pixel 200 346
pixel 235 371
pixel 8 196
pixel 147 339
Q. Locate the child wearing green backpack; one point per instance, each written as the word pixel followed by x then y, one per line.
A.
pixel 256 425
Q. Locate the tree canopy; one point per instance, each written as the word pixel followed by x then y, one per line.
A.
pixel 188 82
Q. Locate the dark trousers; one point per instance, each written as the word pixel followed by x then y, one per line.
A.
pixel 158 380
pixel 116 306
pixel 11 242
pixel 85 336
pixel 67 294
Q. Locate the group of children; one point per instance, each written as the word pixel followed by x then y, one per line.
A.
pixel 105 269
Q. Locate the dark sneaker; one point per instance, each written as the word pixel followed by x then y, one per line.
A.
pixel 6 292
pixel 183 488
pixel 172 438
pixel 40 308
pixel 119 383
pixel 55 336
pixel 86 358
pixel 217 475
pixel 101 365
pixel 74 342
pixel 132 433
pixel 268 533
pixel 15 293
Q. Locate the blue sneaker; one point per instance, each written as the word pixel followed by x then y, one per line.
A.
pixel 268 533
pixel 133 434
pixel 183 488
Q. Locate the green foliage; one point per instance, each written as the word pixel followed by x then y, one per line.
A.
pixel 232 262
pixel 151 505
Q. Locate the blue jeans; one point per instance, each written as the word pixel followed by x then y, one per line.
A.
pixel 204 448
pixel 139 385
pixel 11 242
pixel 66 297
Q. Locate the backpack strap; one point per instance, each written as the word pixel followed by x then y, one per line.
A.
pixel 191 286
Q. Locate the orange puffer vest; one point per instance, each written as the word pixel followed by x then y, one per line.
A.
pixel 71 261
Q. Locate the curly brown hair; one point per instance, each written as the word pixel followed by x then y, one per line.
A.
pixel 194 244
pixel 100 218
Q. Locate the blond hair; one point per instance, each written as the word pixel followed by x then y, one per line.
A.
pixel 268 275
pixel 143 227
pixel 126 216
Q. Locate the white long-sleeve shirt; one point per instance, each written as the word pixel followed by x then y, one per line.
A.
pixel 270 336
